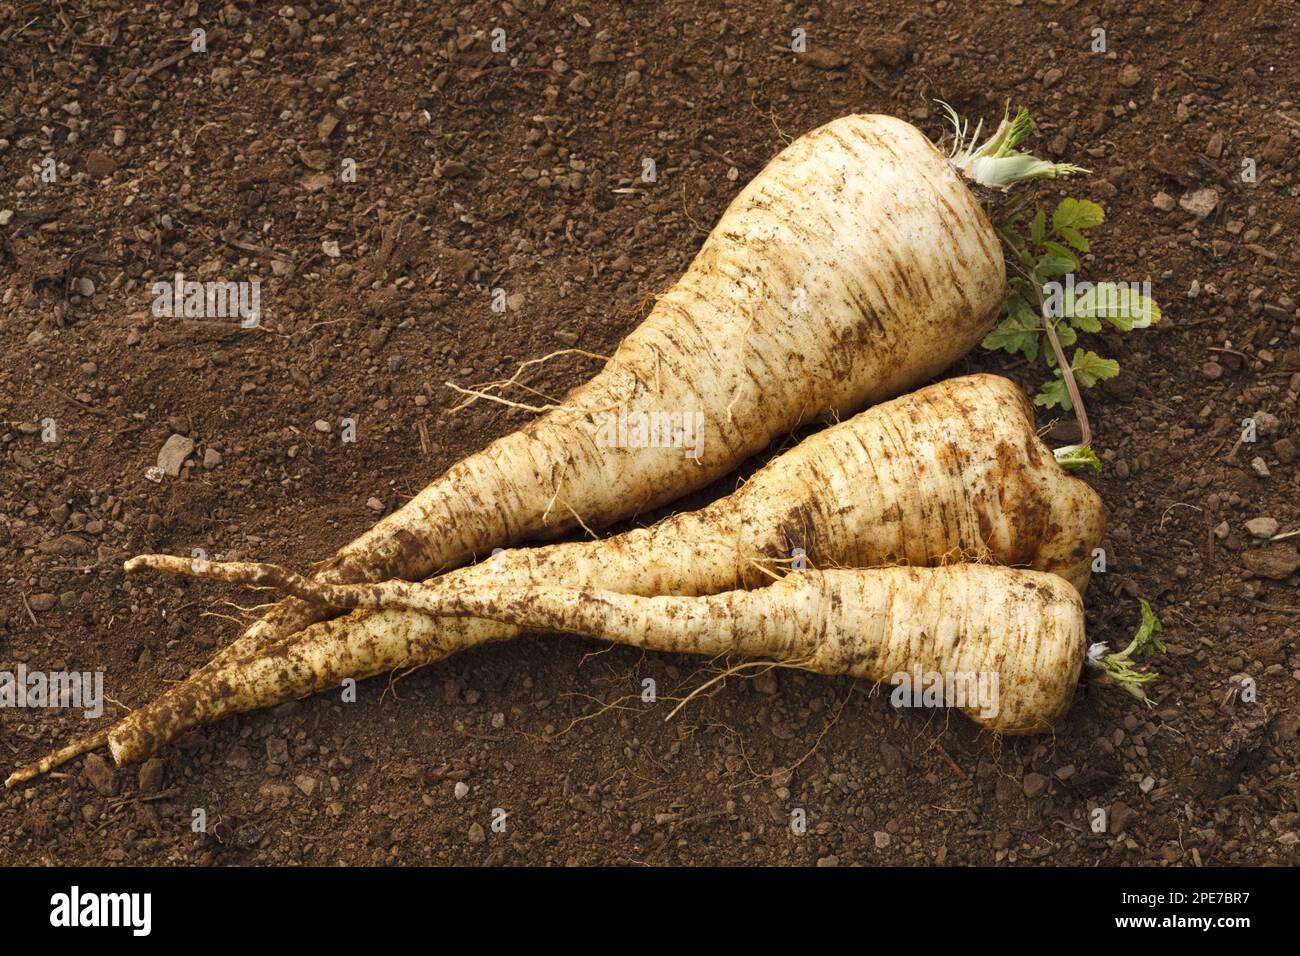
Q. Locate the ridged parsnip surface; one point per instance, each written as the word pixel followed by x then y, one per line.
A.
pixel 1025 628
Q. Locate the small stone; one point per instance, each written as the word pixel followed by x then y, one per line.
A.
pixel 890 49
pixel 119 136
pixel 1035 784
pixel 98 165
pixel 211 458
pixel 42 602
pixel 1148 784
pixel 1275 149
pixel 1065 773
pixel 461 790
pixel 1266 423
pixel 277 750
pixel 1120 814
pixel 84 287
pixel 1052 77
pixel 821 58
pixel 1259 466
pixel 374 504
pixel 313 184
pixel 476 833
pixel 1221 531
pixel 1130 75
pixel 1212 370
pixel 498 721
pixel 1005 790
pixel 173 454
pixel 1262 527
pixel 321 426
pixel 831 860
pixel 331 248
pixel 1276 562
pixel 100 775
pixel 306 783
pixel 882 839
pixel 1286 451
pixel 1214 148
pixel 151 775
pixel 1201 202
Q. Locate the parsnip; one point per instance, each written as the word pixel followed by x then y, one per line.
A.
pixel 1019 633
pixel 951 472
pixel 855 266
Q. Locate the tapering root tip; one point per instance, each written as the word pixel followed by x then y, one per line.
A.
pixel 167 563
pixel 56 759
pixel 251 573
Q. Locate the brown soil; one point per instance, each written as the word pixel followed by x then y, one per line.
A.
pixel 479 170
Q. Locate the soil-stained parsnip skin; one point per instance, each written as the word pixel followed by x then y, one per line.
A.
pixel 951 471
pixel 969 621
pixel 854 266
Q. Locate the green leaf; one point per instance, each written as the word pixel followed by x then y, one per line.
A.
pixel 1050 266
pixel 1065 334
pixel 1054 395
pixel 1038 228
pixel 1119 669
pixel 1145 641
pixel 1061 252
pixel 1017 133
pixel 1018 332
pixel 1011 232
pixel 1077 214
pixel 1075 458
pixel 1074 237
pixel 1064 306
pixel 1120 305
pixel 1085 323
pixel 1090 368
